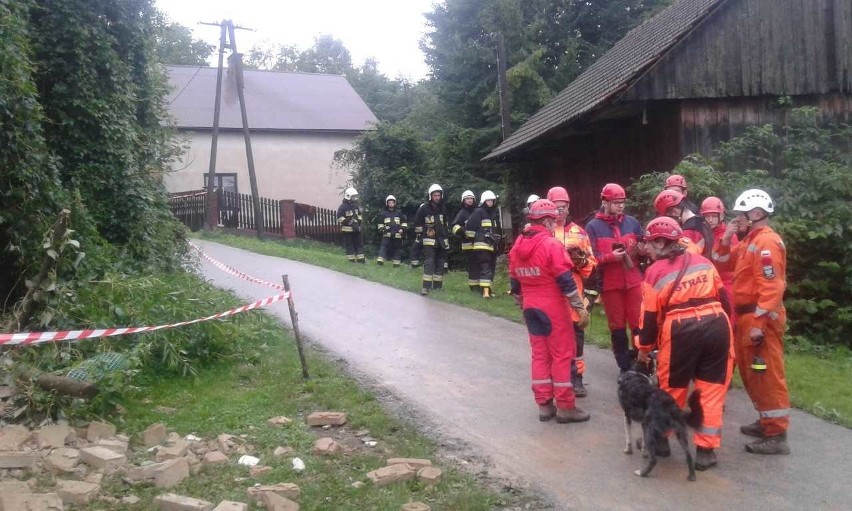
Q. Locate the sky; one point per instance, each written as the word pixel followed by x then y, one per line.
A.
pixel 388 30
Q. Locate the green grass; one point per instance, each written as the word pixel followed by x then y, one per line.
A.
pixel 237 398
pixel 819 383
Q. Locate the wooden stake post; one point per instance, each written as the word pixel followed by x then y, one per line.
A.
pixel 294 319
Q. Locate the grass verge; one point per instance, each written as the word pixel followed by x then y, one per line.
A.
pixel 818 383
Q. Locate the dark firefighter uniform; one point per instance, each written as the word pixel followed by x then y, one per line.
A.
pixel 685 319
pixel 349 217
pixel 483 230
pixel 392 226
pixel 431 225
pixel 457 228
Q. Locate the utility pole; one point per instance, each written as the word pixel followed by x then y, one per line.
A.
pixel 505 113
pixel 228 28
pixel 237 60
pixel 209 221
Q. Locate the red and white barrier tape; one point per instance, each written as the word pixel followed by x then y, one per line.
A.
pixel 69 335
pixel 233 271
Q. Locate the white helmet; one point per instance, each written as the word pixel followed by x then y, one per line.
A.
pixel 435 188
pixel 754 198
pixel 468 194
pixel 487 195
pixel 389 198
pixel 532 198
pixel 350 193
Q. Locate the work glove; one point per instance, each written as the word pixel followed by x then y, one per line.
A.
pixel 756 336
pixel 584 320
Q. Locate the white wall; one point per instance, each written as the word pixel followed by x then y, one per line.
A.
pixel 295 166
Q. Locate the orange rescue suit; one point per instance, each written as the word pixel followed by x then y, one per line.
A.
pixel 759 263
pixel 686 321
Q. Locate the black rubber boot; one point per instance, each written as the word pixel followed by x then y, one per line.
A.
pixel 705 458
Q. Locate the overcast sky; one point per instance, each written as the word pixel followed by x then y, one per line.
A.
pixel 389 30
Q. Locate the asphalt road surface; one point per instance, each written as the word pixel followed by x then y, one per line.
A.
pixel 468 374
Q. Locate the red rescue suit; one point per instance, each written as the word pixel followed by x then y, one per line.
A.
pixel 541 274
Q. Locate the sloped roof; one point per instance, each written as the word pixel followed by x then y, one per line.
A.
pixel 640 48
pixel 274 101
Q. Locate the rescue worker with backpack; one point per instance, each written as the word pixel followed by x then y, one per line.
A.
pixel 542 284
pixel 579 249
pixel 482 228
pixel 431 224
pixel 685 316
pixel 759 264
pixel 468 205
pixel 614 237
pixel 392 227
pixel 350 218
pixel 673 204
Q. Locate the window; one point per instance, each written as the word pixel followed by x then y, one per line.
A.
pixel 227 182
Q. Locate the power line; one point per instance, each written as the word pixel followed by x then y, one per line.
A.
pixel 187 83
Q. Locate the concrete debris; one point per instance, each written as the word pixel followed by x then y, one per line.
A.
pixel 30 502
pixel 54 436
pixel 98 430
pixel 17 459
pixel 77 492
pixel 62 461
pixel 103 458
pixel 13 437
pixel 154 435
pixel 230 505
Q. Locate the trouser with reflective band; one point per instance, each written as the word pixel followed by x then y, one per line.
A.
pixel 487 261
pixel 416 252
pixel 622 308
pixel 472 270
pixel 767 389
pixel 433 266
pixel 552 348
pixel 354 247
pixel 578 365
pixel 695 345
pixel 391 249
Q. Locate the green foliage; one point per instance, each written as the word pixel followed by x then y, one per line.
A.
pixel 807 169
pixel 175 44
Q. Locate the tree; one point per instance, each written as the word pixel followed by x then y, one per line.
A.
pixel 176 45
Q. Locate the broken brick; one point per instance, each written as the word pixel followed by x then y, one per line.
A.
pixel 154 435
pixel 326 446
pixel 98 430
pixel 415 463
pixel 429 475
pixel 17 459
pixel 172 502
pixel 77 492
pixel 230 505
pixel 288 490
pixel 54 436
pixel 327 418
pixel 391 474
pixel 101 457
pixel 275 502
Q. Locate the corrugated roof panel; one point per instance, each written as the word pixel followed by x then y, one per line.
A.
pixel 274 101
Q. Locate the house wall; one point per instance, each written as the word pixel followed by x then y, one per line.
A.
pixel 757 48
pixel 617 151
pixel 289 165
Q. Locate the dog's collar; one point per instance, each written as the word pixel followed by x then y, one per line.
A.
pixel 649 378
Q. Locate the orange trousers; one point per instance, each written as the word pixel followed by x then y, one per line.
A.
pixel 695 346
pixel 767 389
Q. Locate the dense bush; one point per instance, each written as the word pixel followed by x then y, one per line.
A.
pixel 807 169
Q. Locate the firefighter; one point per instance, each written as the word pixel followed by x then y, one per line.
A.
pixel 532 198
pixel 349 217
pixel 576 243
pixel 672 203
pixel 677 183
pixel 416 246
pixel 759 263
pixel 483 230
pixel 468 205
pixel 684 316
pixel 542 284
pixel 430 223
pixel 392 226
pixel 614 237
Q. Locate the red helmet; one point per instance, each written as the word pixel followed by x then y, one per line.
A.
pixel 712 205
pixel 612 191
pixel 558 193
pixel 667 199
pixel 542 208
pixel 676 180
pixel 663 227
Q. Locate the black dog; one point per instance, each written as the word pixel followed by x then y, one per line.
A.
pixel 659 414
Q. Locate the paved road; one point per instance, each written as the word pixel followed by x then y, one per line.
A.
pixel 469 373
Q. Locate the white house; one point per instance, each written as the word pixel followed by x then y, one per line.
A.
pixel 297 121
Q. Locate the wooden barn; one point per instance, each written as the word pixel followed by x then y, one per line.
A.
pixel 695 75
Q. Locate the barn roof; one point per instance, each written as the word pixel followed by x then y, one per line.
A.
pixel 611 73
pixel 280 101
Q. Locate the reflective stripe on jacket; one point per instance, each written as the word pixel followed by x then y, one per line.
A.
pixel 349 216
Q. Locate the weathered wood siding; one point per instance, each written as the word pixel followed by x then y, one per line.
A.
pixel 620 151
pixel 705 123
pixel 757 48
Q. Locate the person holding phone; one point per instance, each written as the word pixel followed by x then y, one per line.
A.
pixel 614 237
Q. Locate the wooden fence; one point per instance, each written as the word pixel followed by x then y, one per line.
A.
pixel 236 211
